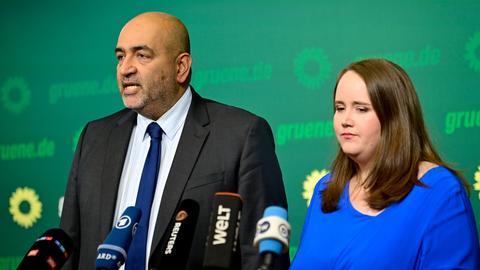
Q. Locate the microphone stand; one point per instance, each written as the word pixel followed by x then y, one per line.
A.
pixel 267 261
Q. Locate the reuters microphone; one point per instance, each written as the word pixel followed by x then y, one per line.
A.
pixel 221 251
pixel 113 252
pixel 178 240
pixel 49 252
pixel 272 237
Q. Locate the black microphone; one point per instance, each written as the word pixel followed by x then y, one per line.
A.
pixel 272 236
pixel 221 251
pixel 112 254
pixel 178 238
pixel 49 252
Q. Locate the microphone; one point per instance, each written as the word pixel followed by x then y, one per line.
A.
pixel 176 246
pixel 272 236
pixel 113 252
pixel 49 252
pixel 221 251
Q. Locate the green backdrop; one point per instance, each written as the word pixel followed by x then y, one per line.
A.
pixel 278 59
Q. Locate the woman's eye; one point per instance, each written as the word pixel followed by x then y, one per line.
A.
pixel 363 109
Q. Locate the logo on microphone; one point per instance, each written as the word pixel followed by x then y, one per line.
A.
pixel 284 231
pixel 123 222
pixel 263 227
pixel 134 228
pixel 173 237
pixel 221 226
pixel 181 215
pixel 106 256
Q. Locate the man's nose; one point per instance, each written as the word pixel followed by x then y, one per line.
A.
pixel 126 67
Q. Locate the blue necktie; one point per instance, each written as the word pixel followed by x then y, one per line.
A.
pixel 146 191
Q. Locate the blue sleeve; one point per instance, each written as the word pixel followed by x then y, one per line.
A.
pixel 314 204
pixel 451 240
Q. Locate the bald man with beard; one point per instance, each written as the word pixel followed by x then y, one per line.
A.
pixel 206 147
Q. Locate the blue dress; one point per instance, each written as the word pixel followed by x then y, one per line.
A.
pixel 432 228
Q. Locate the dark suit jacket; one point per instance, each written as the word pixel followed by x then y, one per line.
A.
pixel 221 148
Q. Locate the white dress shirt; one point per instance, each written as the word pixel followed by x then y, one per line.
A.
pixel 172 123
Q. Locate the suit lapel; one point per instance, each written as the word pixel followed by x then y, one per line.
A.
pixel 194 134
pixel 117 147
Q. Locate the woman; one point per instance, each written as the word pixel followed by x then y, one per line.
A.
pixel 390 201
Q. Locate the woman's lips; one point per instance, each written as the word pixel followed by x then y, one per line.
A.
pixel 347 135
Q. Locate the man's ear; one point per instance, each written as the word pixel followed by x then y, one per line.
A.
pixel 184 65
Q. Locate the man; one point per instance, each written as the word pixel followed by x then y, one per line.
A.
pixel 206 147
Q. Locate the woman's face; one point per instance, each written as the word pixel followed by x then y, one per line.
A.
pixel 356 124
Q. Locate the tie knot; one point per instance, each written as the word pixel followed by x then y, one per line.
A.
pixel 154 130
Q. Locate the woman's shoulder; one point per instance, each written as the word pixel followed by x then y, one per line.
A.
pixel 323 182
pixel 439 177
pixel 424 167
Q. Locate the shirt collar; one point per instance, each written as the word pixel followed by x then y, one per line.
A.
pixel 170 121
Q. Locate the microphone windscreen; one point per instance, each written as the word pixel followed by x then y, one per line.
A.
pixel 221 251
pixel 49 252
pixel 113 252
pixel 273 231
pixel 178 239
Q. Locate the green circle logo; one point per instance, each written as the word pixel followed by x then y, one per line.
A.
pixel 15 95
pixel 471 52
pixel 312 67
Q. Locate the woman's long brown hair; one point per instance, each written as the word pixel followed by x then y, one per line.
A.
pixel 404 141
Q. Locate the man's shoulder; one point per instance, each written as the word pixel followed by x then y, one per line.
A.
pixel 102 126
pixel 117 117
pixel 219 111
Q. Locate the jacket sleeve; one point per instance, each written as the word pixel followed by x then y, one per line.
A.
pixel 70 219
pixel 260 185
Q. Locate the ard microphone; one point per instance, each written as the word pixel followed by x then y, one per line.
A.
pixel 272 237
pixel 113 252
pixel 221 251
pixel 49 252
pixel 178 238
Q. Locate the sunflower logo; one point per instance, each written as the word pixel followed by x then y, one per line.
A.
pixel 476 186
pixel 312 67
pixel 310 182
pixel 471 52
pixel 15 95
pixel 28 196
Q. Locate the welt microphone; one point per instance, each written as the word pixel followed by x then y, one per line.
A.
pixel 221 251
pixel 49 252
pixel 272 237
pixel 113 252
pixel 179 237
